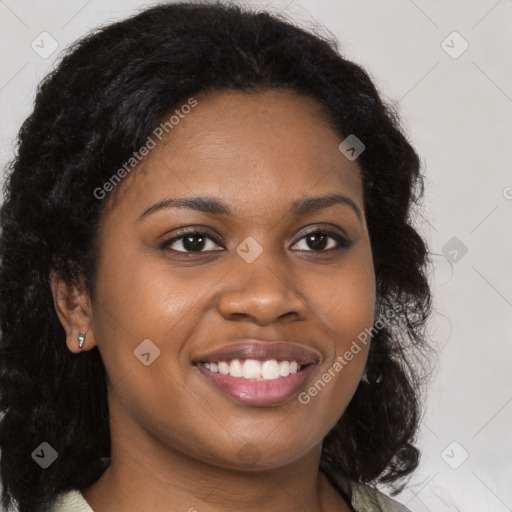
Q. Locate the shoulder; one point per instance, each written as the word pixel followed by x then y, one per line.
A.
pixel 369 499
pixel 70 501
pixel 364 498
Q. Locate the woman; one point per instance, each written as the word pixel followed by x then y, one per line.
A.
pixel 212 291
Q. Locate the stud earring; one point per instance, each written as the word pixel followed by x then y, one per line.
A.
pixel 81 338
pixel 364 377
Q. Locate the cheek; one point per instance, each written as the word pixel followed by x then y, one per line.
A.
pixel 344 305
pixel 344 299
pixel 140 297
pixel 140 319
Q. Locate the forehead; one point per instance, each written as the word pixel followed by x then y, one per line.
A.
pixel 251 149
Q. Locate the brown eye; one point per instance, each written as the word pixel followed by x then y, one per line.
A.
pixel 324 241
pixel 189 242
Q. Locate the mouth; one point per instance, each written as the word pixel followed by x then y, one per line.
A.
pixel 255 370
pixel 258 373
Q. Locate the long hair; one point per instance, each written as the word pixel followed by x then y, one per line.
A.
pixel 92 112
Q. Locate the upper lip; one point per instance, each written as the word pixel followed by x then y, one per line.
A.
pixel 262 351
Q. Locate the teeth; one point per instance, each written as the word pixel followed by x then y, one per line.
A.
pixel 284 368
pixel 235 369
pixel 270 370
pixel 251 369
pixel 254 369
pixel 223 368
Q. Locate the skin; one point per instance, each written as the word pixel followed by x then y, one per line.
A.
pixel 175 437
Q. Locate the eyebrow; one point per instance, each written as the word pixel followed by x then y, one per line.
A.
pixel 214 206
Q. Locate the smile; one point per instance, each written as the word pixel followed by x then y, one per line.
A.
pixel 254 369
pixel 257 383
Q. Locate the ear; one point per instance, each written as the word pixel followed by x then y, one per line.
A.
pixel 73 307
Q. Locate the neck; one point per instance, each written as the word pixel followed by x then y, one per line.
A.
pixel 145 474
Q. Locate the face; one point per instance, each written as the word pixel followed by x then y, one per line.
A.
pixel 178 283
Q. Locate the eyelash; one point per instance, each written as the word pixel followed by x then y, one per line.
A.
pixel 343 243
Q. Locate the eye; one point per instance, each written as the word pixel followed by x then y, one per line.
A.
pixel 190 241
pixel 318 241
pixel 198 241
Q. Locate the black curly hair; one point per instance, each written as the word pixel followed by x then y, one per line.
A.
pixel 92 112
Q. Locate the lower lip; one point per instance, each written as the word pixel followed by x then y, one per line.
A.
pixel 258 392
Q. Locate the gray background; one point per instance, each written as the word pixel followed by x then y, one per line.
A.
pixel 457 110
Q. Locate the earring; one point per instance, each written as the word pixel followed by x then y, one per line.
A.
pixel 364 378
pixel 371 370
pixel 81 338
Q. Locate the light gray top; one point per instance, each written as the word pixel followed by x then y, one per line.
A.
pixel 362 498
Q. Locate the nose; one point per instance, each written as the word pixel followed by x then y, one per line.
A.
pixel 261 292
